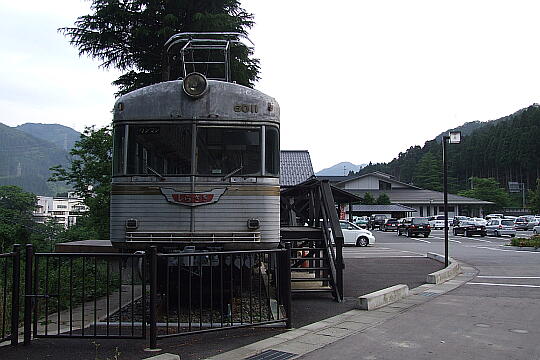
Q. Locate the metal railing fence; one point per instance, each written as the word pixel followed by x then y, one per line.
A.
pixel 9 295
pixel 209 291
pixel 74 294
pixel 117 296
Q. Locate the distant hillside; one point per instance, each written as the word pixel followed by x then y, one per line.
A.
pixel 340 169
pixel 62 136
pixel 25 161
pixel 506 149
pixel 469 127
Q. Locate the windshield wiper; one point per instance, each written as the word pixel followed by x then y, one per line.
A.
pixel 232 173
pixel 155 172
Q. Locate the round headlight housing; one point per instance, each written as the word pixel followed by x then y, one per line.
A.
pixel 195 85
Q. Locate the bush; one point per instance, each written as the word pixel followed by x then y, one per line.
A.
pixel 534 242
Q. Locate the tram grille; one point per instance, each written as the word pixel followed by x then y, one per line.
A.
pixel 214 237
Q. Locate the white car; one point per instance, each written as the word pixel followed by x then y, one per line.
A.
pixel 355 235
pixel 437 222
pixel 498 227
pixel 536 230
pixel 478 221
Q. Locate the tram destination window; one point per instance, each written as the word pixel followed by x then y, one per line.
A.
pixel 222 151
pixel 272 151
pixel 118 144
pixel 164 148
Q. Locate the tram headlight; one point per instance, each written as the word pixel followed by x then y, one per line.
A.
pixel 195 85
pixel 132 224
pixel 253 224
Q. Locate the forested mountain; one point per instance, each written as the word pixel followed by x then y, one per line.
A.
pixel 507 149
pixel 471 126
pixel 62 136
pixel 25 161
pixel 343 168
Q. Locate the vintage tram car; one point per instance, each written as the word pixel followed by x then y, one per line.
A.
pixel 196 160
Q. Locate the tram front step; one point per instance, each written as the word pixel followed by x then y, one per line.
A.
pixel 310 268
pixel 310 279
pixel 298 291
pixel 308 258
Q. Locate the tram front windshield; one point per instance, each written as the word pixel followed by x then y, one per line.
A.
pixel 219 151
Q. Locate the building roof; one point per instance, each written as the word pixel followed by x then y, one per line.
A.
pixel 383 208
pixel 336 178
pixel 378 174
pixel 419 196
pixel 295 166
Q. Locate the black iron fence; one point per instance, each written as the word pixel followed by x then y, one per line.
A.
pixel 74 295
pixel 82 295
pixel 9 295
pixel 208 291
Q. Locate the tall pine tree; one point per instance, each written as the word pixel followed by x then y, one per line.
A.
pixel 130 35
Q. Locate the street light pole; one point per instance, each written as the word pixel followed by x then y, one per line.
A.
pixel 445 190
pixel 454 137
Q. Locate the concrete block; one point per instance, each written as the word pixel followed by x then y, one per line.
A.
pixel 383 297
pixel 164 356
pixel 449 272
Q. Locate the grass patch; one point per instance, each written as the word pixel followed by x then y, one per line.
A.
pixel 534 242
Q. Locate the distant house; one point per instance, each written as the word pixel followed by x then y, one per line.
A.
pixel 422 202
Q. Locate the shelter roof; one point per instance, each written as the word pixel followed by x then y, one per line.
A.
pixel 420 196
pixel 383 208
pixel 295 166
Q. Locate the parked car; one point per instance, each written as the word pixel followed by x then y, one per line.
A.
pixel 377 220
pixel 437 222
pixel 521 223
pixel 412 226
pixel 354 235
pixel 469 228
pixel 535 221
pixel 362 222
pixel 390 225
pixel 494 216
pixel 479 221
pixel 458 218
pixel 498 227
pixel 536 230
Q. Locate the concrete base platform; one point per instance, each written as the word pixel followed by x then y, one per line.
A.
pixel 86 246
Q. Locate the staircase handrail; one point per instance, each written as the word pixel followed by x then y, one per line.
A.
pixel 334 238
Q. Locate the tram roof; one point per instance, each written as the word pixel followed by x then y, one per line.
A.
pixel 222 101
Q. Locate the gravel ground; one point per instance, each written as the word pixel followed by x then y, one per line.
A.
pixel 244 308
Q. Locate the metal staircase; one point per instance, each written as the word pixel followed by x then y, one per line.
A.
pixel 316 260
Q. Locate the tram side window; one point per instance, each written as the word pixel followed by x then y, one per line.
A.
pixel 221 151
pixel 272 151
pixel 163 148
pixel 118 146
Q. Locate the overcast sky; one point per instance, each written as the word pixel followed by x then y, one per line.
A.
pixel 357 81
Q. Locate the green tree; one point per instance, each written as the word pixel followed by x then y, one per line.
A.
pixel 428 172
pixel 90 175
pixel 130 35
pixel 16 207
pixel 534 198
pixel 489 190
pixel 368 199
pixel 383 199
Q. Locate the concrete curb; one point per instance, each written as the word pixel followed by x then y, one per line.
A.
pixel 449 272
pixel 383 297
pixel 164 356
